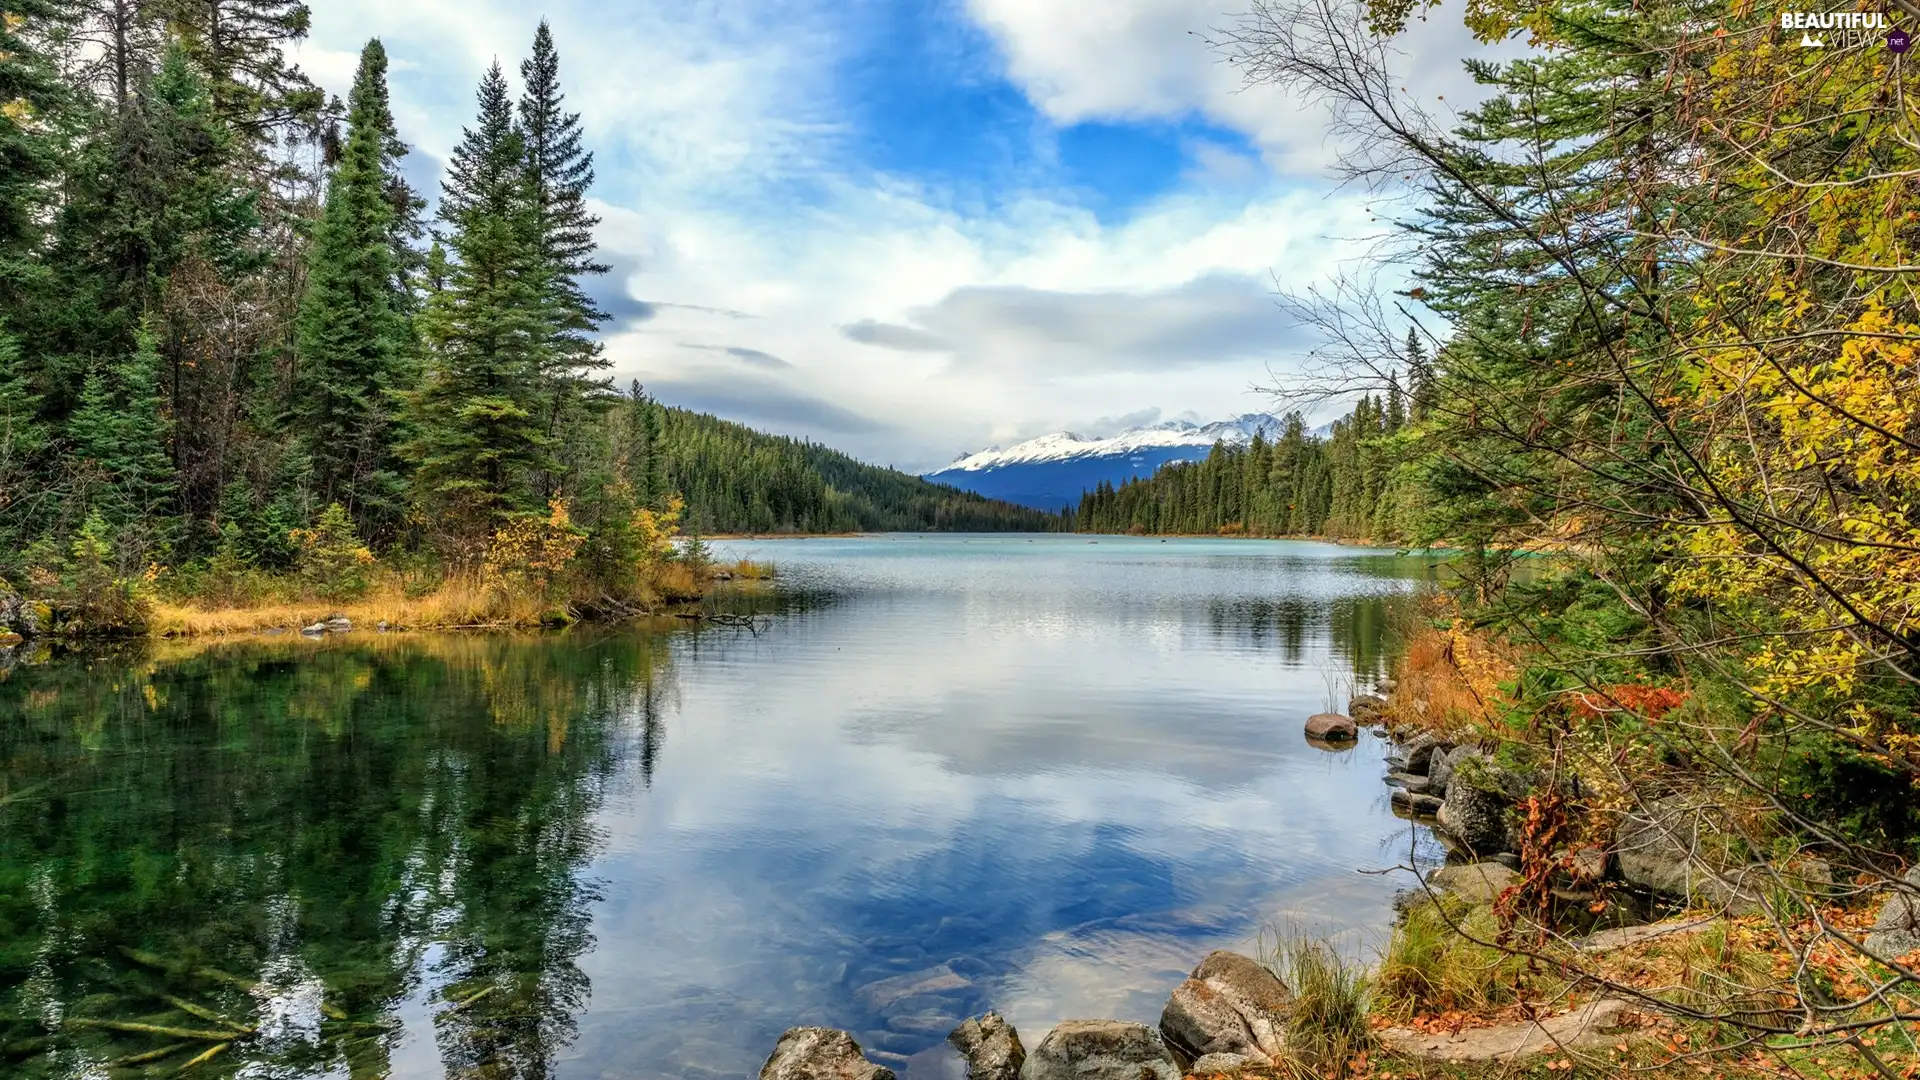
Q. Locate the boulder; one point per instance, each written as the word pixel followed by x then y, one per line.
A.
pixel 1368 708
pixel 1664 848
pixel 1408 804
pixel 1220 1065
pixel 991 1046
pixel 315 630
pixel 1099 1050
pixel 1476 883
pixel 1475 809
pixel 1440 768
pixel 1420 751
pixel 338 624
pixel 1331 727
pixel 1897 931
pixel 1231 1004
pixel 815 1053
pixel 32 619
pixel 1413 782
pixel 1386 686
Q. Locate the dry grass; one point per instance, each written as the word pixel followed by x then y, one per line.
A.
pixel 1448 680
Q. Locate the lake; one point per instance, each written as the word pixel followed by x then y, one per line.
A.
pixel 1041 774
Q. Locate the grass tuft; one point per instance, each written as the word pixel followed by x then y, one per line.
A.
pixel 1327 1030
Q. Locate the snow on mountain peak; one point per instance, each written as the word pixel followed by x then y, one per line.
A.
pixel 1068 446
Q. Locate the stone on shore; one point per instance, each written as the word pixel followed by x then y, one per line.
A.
pixel 1100 1050
pixel 1221 1065
pixel 1231 1004
pixel 1583 1028
pixel 1331 727
pixel 1440 768
pixel 315 630
pixel 1671 849
pixel 815 1053
pixel 1368 708
pixel 1476 809
pixel 1419 752
pixel 991 1046
pixel 1897 931
pixel 338 624
pixel 1409 781
pixel 1476 883
pixel 1409 804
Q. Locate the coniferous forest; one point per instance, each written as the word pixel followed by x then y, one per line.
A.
pixel 240 359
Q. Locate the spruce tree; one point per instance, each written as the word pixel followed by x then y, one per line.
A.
pixel 478 434
pixel 559 171
pixel 122 432
pixel 240 46
pixel 350 338
pixel 22 439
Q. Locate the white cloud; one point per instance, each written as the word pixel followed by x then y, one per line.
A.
pixel 727 188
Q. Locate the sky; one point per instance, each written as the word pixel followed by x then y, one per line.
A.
pixel 909 229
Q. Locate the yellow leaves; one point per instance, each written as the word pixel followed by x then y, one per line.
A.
pixel 532 550
pixel 657 528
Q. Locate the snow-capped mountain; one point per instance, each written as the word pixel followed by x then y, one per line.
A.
pixel 1051 471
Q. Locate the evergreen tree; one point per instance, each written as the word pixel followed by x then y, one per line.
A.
pixel 121 431
pixel 29 92
pixel 479 434
pixel 22 440
pixel 240 46
pixel 559 171
pixel 350 337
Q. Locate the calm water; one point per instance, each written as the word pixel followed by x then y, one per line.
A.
pixel 1040 775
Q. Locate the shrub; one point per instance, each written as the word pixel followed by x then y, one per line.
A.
pixel 90 599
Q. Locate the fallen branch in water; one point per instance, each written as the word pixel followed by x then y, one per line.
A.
pixel 723 618
pixel 149 1029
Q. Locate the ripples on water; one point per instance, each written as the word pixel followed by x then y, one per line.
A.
pixel 1041 775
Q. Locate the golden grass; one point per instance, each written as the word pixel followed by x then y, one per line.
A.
pixel 1449 679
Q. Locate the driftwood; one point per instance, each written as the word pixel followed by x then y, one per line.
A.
pixel 211 1052
pixel 750 623
pixel 150 1029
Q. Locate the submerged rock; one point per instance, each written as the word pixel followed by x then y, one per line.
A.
pixel 1897 931
pixel 1412 782
pixel 991 1046
pixel 816 1053
pixel 1331 727
pixel 1231 1004
pixel 1100 1050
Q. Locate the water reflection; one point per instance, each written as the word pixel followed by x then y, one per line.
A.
pixel 953 774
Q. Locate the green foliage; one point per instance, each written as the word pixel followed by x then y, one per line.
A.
pixel 121 433
pixel 332 562
pixel 92 598
pixel 352 334
pixel 1429 967
pixel 1830 781
pixel 1326 1026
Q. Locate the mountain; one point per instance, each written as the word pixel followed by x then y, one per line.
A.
pixel 736 479
pixel 1050 472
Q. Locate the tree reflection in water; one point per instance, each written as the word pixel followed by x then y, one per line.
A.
pixel 274 847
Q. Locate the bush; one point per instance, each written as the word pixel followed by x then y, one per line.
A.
pixel 90 600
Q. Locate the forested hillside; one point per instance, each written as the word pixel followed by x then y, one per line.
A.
pixel 736 479
pixel 1283 483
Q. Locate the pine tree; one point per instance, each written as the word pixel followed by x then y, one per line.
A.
pixel 559 171
pixel 350 337
pixel 479 435
pixel 29 91
pixel 240 46
pixel 121 430
pixel 22 439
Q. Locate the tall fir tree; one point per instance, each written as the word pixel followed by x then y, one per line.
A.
pixel 351 338
pixel 559 171
pixel 122 432
pixel 479 438
pixel 240 45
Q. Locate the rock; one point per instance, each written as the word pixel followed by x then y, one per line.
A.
pixel 381 626
pixel 991 1046
pixel 1663 848
pixel 1897 931
pixel 1583 1028
pixel 722 575
pixel 1420 751
pixel 815 1053
pixel 1479 796
pixel 1396 763
pixel 1440 768
pixel 1100 1050
pixel 1220 1064
pixel 33 619
pixel 1587 863
pixel 1231 1004
pixel 1331 727
pixel 1420 806
pixel 1476 883
pixel 1410 782
pixel 1368 708
pixel 1386 686
pixel 315 630
pixel 339 624
pixel 939 979
pixel 1620 937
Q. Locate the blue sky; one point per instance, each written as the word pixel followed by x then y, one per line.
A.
pixel 910 228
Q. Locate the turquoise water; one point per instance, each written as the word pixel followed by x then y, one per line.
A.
pixel 1037 774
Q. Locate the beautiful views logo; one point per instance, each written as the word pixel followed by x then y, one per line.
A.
pixel 1843 29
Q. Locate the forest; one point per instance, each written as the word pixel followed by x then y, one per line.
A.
pixel 241 363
